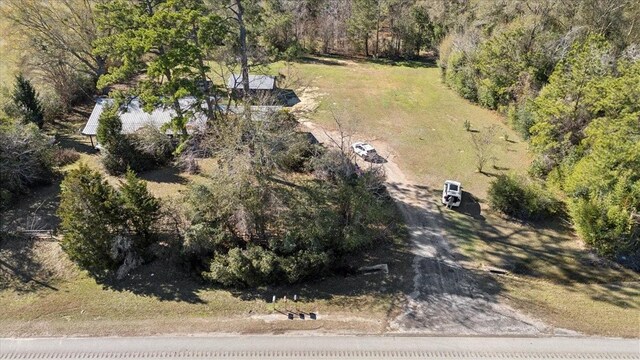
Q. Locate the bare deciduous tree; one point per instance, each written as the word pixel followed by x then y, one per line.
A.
pixel 483 143
pixel 58 36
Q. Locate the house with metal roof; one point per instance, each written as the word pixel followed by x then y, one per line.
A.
pixel 134 117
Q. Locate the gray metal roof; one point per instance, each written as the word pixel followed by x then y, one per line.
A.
pixel 134 117
pixel 256 82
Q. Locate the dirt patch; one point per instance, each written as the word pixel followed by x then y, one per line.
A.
pixel 309 102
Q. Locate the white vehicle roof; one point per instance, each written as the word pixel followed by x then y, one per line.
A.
pixel 364 145
pixel 450 183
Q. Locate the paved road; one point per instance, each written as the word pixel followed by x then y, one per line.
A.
pixel 320 347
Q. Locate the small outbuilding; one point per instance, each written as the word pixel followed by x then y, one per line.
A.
pixel 259 85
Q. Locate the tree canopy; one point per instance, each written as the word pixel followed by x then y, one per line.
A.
pixel 170 41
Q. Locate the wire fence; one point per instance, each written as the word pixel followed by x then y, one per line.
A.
pixel 44 235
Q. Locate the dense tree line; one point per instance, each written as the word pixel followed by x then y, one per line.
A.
pixel 378 28
pixel 566 76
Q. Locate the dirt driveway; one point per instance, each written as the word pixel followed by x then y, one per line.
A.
pixel 446 298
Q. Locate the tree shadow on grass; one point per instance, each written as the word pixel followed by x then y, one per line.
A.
pixel 501 168
pixel 33 211
pixel 161 279
pixel 166 175
pixel 488 173
pixel 338 60
pixel 324 60
pixel 416 63
pixel 26 264
pixel 546 250
pixel 470 206
pixel 76 143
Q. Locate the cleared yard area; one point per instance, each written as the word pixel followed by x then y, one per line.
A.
pixel 412 118
pixel 407 109
pixel 43 294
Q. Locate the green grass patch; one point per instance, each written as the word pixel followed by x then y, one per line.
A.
pixel 411 110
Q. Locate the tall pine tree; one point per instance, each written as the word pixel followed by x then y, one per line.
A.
pixel 142 209
pixel 26 100
pixel 90 210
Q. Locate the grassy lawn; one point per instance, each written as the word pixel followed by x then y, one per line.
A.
pixel 409 108
pixel 43 294
pixel 171 302
pixel 552 275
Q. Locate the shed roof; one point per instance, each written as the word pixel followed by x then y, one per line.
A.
pixel 256 82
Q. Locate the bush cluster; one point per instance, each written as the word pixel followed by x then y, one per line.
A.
pixel 26 159
pixel 146 149
pixel 102 225
pixel 516 198
pixel 249 232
